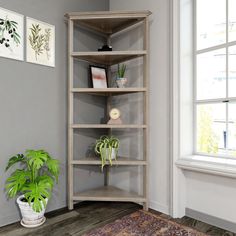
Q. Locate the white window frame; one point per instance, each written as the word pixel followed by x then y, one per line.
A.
pixel 210 101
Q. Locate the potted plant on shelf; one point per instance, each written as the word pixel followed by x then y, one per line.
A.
pixel 33 181
pixel 107 148
pixel 120 78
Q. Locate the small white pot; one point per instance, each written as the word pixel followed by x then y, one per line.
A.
pixel 121 82
pixel 113 154
pixel 30 218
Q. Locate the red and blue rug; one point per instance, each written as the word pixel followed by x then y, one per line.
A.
pixel 142 223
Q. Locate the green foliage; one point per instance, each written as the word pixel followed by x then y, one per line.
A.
pixel 121 71
pixel 207 140
pixel 8 33
pixel 36 39
pixel 35 179
pixel 47 37
pixel 104 146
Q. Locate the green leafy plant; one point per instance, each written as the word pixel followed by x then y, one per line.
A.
pixel 36 40
pixel 47 37
pixel 104 147
pixel 35 179
pixel 121 71
pixel 8 33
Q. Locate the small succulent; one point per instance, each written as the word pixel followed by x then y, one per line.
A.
pixel 121 71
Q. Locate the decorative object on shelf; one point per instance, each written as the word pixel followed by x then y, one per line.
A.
pixel 11 35
pixel 40 42
pixel 120 78
pixel 107 148
pixel 115 117
pixel 105 48
pixel 98 76
pixel 35 180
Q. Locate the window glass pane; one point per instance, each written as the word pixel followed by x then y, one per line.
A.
pixel 211 75
pixel 232 20
pixel 232 129
pixel 211 128
pixel 211 23
pixel 232 71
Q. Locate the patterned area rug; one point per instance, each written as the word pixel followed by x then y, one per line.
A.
pixel 142 223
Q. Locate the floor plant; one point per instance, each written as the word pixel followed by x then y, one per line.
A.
pixel 33 179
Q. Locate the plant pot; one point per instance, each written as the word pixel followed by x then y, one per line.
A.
pixel 30 218
pixel 121 82
pixel 113 153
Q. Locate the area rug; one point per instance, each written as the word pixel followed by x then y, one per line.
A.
pixel 142 223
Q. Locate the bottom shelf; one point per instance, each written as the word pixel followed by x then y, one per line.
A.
pixel 108 193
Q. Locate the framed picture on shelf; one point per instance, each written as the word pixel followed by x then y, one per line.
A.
pixel 98 76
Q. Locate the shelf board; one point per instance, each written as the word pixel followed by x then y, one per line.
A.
pixel 108 91
pixel 119 162
pixel 108 193
pixel 106 126
pixel 108 22
pixel 108 58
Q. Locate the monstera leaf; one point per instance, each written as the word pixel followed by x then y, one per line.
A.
pixel 53 167
pixel 15 159
pixel 16 182
pixel 36 193
pixel 36 158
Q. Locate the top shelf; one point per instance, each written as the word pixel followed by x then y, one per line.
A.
pixel 108 22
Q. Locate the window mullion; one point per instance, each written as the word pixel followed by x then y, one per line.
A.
pixel 227 75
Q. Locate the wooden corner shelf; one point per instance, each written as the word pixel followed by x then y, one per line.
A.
pixel 108 25
pixel 108 58
pixel 107 22
pixel 106 126
pixel 120 161
pixel 108 193
pixel 108 91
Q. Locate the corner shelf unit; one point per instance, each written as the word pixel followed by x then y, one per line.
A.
pixel 108 24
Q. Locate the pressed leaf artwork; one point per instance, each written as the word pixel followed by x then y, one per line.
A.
pixel 40 42
pixel 36 40
pixel 11 34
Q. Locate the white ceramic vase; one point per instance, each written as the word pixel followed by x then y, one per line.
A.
pixel 121 82
pixel 113 154
pixel 30 218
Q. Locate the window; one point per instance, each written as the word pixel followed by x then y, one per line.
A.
pixel 215 77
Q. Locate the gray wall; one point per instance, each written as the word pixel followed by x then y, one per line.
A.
pixel 159 100
pixel 33 98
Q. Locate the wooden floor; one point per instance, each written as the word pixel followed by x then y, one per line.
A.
pixel 89 215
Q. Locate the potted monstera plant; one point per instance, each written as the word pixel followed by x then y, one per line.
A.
pixel 107 148
pixel 32 182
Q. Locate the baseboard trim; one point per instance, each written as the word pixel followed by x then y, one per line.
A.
pixel 14 218
pixel 212 220
pixel 159 207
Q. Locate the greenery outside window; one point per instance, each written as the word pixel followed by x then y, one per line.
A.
pixel 215 77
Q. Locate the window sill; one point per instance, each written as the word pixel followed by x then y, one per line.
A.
pixel 208 165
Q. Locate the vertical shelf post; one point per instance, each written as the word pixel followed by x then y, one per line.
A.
pixel 146 113
pixel 70 113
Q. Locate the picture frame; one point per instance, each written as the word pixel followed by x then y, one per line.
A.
pixel 98 76
pixel 40 42
pixel 11 35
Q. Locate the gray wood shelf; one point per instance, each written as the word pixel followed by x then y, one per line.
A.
pixel 123 161
pixel 108 91
pixel 108 24
pixel 108 193
pixel 108 58
pixel 106 126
